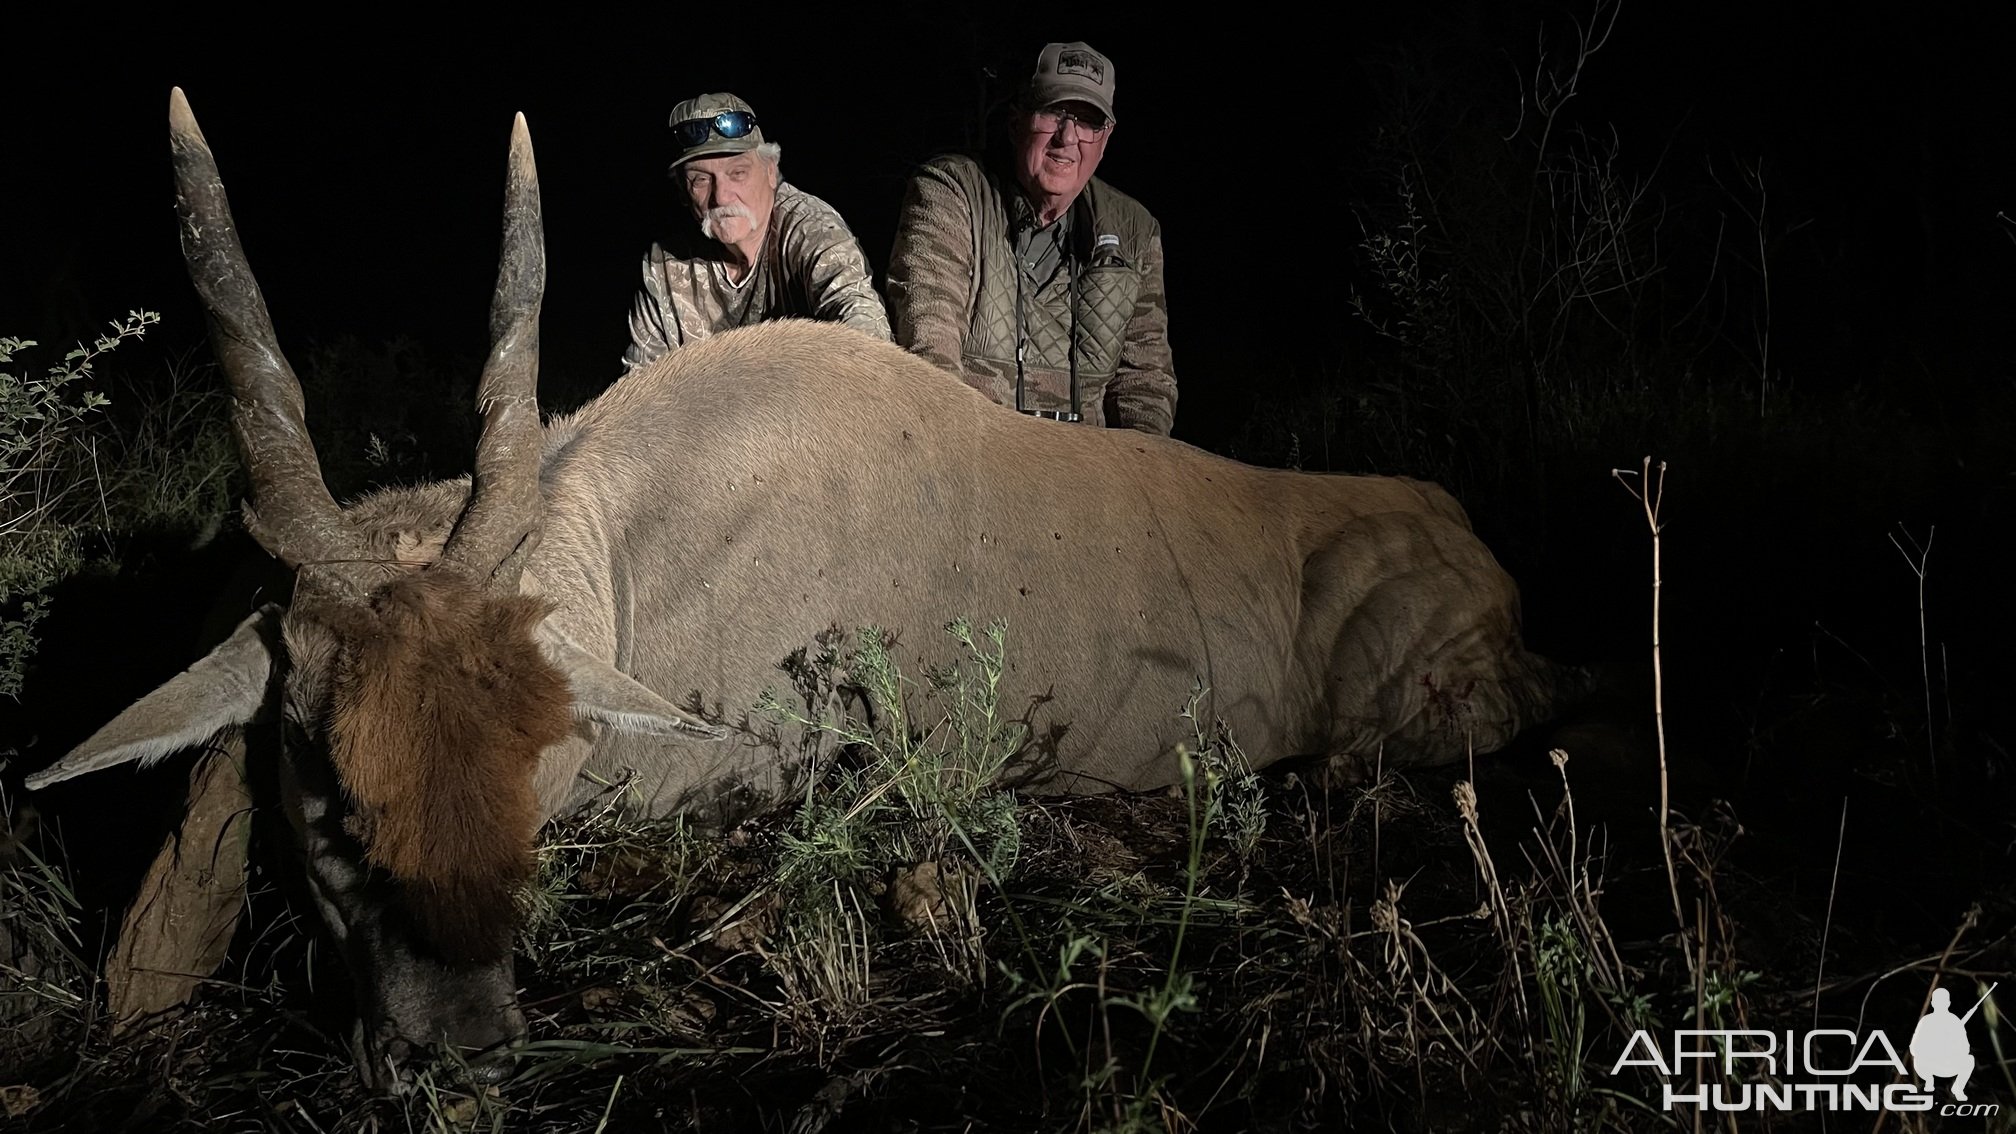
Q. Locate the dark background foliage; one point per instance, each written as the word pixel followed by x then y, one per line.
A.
pixel 364 156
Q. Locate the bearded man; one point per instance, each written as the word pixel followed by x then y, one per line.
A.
pixel 1031 279
pixel 761 248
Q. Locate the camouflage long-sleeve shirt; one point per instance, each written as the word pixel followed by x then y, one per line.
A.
pixel 811 267
pixel 974 285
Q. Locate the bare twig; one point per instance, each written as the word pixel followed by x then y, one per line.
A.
pixel 1922 553
pixel 1833 887
pixel 1649 493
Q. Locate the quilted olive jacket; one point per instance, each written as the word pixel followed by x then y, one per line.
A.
pixel 957 298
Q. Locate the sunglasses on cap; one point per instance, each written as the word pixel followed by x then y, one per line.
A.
pixel 730 124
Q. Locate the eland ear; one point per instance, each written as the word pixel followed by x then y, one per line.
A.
pixel 608 696
pixel 228 687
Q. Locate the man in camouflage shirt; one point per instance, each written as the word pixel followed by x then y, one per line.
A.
pixel 1033 280
pixel 764 249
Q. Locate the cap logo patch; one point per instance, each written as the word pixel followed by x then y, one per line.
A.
pixel 1082 63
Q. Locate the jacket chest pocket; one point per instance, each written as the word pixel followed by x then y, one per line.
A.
pixel 1106 294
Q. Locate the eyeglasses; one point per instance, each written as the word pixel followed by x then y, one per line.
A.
pixel 1091 122
pixel 729 124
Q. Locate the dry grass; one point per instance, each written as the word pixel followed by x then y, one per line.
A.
pixel 1442 951
pixel 1167 976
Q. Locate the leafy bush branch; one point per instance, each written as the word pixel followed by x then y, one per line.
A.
pixel 45 493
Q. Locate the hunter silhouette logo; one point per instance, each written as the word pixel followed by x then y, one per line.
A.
pixel 1939 1047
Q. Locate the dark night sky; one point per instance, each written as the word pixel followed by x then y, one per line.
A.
pixel 364 158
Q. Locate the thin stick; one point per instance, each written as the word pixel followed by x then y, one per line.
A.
pixel 1924 552
pixel 1833 887
pixel 1649 494
pixel 610 1106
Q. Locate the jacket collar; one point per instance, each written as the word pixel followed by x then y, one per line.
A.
pixel 1080 216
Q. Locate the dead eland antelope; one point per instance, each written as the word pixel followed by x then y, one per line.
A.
pixel 461 660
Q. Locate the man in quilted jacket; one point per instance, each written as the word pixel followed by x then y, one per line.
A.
pixel 1033 280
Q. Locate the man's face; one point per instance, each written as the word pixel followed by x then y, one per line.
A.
pixel 1058 148
pixel 732 195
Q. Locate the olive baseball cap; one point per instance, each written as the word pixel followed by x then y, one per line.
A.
pixel 1072 71
pixel 713 125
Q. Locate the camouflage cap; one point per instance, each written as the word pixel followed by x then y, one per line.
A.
pixel 1072 71
pixel 705 108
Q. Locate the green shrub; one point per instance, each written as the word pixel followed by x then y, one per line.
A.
pixel 45 490
pixel 921 787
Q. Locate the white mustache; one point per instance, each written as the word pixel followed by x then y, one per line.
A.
pixel 714 216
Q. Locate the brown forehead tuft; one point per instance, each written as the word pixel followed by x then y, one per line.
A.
pixel 440 706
